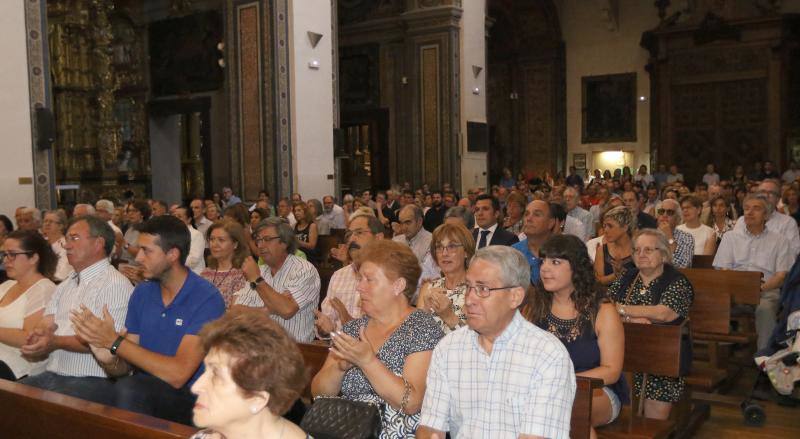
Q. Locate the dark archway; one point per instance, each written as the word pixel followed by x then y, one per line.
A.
pixel 526 88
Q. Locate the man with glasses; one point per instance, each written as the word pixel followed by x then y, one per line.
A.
pixel 287 286
pixel 96 285
pixel 539 225
pixel 343 303
pixel 502 377
pixel 411 233
pixel 680 243
pixel 780 223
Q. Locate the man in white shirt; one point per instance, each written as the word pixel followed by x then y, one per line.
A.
pixel 195 260
pixel 782 224
pixel 574 210
pixel 333 213
pixel 285 211
pixel 674 175
pixel 201 223
pixel 105 210
pixel 710 177
pixel 410 232
pixel 791 174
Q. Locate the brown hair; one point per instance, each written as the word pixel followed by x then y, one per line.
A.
pixel 306 212
pixel 264 357
pixel 395 259
pixel 457 233
pixel 694 200
pixel 236 233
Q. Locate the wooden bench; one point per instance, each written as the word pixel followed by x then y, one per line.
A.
pixel 32 413
pixel 580 423
pixel 651 350
pixel 703 261
pixel 314 355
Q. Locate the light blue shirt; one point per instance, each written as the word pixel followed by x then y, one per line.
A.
pixel 533 261
pixel 526 385
pixel 767 253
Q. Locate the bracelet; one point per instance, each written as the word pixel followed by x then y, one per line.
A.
pixel 116 344
pixel 406 394
pixel 622 311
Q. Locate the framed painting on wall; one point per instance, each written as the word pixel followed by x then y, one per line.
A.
pixel 579 161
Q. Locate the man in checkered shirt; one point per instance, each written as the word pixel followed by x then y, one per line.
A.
pixel 500 376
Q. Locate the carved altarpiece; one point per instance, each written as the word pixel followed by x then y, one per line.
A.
pixel 719 92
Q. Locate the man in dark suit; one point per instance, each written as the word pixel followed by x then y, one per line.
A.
pixel 488 232
pixel 633 201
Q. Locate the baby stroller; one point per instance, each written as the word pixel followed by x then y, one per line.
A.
pixel 780 361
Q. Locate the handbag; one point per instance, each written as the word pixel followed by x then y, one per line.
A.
pixel 332 417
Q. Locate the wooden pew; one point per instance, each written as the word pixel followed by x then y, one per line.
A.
pixel 31 413
pixel 651 350
pixel 314 355
pixel 703 261
pixel 580 423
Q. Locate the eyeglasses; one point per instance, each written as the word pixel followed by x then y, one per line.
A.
pixel 13 255
pixel 449 248
pixel 75 238
pixel 647 251
pixel 265 239
pixel 668 212
pixel 484 291
pixel 357 232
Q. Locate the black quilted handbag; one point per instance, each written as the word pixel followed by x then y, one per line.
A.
pixel 332 417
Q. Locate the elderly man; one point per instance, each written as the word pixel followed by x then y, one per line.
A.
pixel 489 232
pixel 501 376
pixel 539 225
pixel 285 211
pixel 757 248
pixel 287 286
pixel 333 213
pixel 105 210
pixel 201 223
pixel 195 260
pixel 572 201
pixel 28 218
pixel 343 302
pixel 409 231
pixel 83 210
pixel 94 285
pixel 782 224
pixel 160 344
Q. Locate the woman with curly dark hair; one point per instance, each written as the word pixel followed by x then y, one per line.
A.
pixel 567 302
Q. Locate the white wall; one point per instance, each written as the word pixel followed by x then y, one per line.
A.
pixel 473 107
pixel 311 98
pixel 15 116
pixel 592 49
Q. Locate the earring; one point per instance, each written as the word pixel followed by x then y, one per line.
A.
pixel 254 410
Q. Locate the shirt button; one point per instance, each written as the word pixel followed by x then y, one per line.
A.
pixel 163 314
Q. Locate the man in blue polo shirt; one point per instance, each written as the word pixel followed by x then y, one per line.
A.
pixel 539 224
pixel 165 313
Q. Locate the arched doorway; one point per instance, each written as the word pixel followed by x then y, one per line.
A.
pixel 525 88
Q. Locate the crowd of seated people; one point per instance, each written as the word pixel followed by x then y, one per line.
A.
pixel 532 278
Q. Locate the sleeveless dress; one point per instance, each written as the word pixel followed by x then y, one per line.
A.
pixel 608 260
pixel 583 349
pixel 302 235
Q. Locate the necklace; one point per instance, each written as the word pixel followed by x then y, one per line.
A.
pixel 221 281
pixel 566 330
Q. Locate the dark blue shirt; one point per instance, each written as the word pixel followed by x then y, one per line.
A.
pixel 533 261
pixel 161 328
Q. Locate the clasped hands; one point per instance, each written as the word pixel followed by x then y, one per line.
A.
pixel 351 351
pixel 99 334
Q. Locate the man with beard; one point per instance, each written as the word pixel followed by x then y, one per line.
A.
pixel 343 303
pixel 332 213
pixel 160 344
pixel 434 217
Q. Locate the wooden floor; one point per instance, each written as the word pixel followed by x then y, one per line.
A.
pixel 727 422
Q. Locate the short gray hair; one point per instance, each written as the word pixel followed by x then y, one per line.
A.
pixel 463 214
pixel 104 205
pixel 62 217
pixel 418 215
pixel 678 211
pixel 89 208
pixel 35 213
pixel 623 216
pixel 662 244
pixel 283 229
pixel 768 206
pixel 514 268
pixel 373 222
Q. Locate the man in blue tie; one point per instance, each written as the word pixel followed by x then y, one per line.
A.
pixel 539 224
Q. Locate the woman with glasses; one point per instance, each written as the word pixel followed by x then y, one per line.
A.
pixel 30 263
pixel 53 228
pixel 654 292
pixel 383 356
pixel 229 249
pixel 613 254
pixel 452 247
pixel 568 303
pixel 681 244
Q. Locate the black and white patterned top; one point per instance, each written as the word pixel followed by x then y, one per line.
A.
pixel 456 296
pixel 418 333
pixel 684 250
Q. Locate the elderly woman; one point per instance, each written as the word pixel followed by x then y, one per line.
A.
pixel 654 292
pixel 228 247
pixel 681 244
pixel 54 225
pixel 30 263
pixel 567 303
pixel 392 332
pixel 253 374
pixel 452 247
pixel 705 241
pixel 613 253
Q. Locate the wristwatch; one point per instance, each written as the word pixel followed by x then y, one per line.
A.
pixel 255 283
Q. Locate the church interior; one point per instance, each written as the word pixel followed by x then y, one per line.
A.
pixel 177 100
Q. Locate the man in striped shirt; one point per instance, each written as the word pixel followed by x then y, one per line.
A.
pixel 95 284
pixel 287 286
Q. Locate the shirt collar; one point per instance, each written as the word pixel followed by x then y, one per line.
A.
pixel 508 333
pixel 490 229
pixel 91 272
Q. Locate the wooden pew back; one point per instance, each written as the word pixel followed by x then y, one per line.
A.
pixel 703 261
pixel 314 356
pixel 31 413
pixel 743 286
pixel 580 424
pixel 653 349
